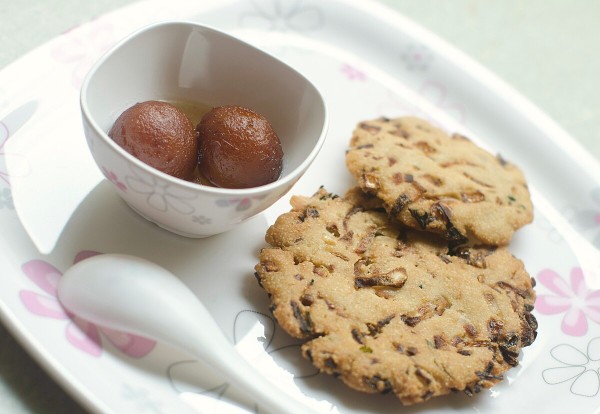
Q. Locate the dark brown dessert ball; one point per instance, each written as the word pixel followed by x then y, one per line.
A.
pixel 160 135
pixel 238 148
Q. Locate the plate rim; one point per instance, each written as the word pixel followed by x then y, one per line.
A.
pixel 536 117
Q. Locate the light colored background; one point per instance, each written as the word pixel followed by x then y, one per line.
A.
pixel 549 50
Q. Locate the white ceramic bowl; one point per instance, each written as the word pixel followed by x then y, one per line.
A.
pixel 184 61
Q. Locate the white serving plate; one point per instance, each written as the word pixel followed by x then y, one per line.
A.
pixel 368 61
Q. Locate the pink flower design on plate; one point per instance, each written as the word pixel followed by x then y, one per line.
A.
pixel 353 73
pixel 82 46
pixel 416 57
pixel 576 301
pixel 81 334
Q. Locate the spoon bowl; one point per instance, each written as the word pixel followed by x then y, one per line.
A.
pixel 131 294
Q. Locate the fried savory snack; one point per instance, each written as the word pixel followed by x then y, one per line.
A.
pixel 388 309
pixel 434 182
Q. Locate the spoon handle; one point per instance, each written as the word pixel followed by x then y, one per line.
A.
pixel 198 334
pixel 227 360
pixel 130 294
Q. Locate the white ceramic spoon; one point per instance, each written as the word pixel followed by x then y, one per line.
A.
pixel 131 294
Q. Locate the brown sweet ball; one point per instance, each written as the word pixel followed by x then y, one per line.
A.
pixel 238 148
pixel 160 135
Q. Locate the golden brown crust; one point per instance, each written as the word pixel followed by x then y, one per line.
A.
pixel 439 183
pixel 387 309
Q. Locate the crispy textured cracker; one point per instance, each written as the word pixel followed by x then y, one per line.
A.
pixel 434 182
pixel 388 309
